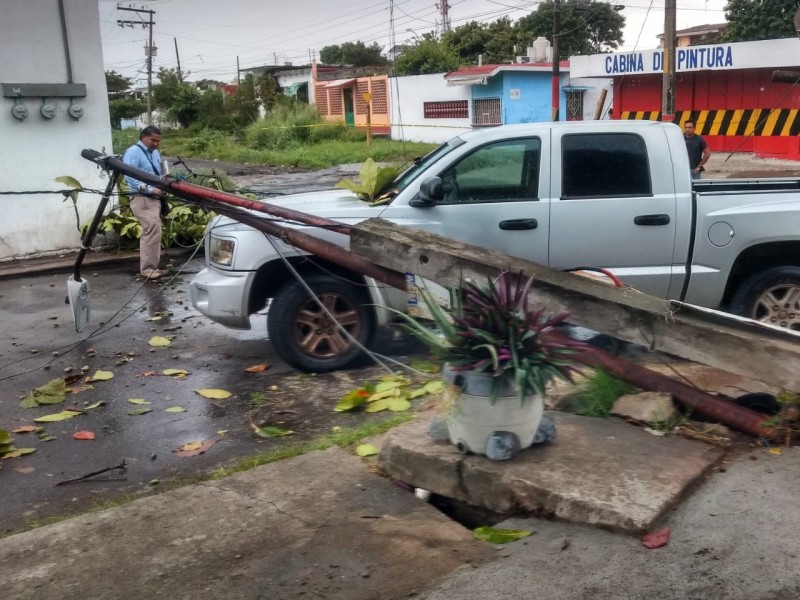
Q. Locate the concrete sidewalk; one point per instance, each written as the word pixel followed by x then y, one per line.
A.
pixel 326 525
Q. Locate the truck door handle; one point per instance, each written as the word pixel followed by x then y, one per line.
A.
pixel 651 220
pixel 519 224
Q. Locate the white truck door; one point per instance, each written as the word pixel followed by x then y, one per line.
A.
pixel 614 206
pixel 495 197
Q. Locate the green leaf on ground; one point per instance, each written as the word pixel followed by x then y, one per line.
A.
pixel 159 340
pixel 175 372
pixel 366 450
pixel 352 400
pixel 214 394
pixel 52 392
pixel 140 411
pixel 393 404
pixel 62 416
pixel 102 376
pixel 272 431
pixel 434 387
pixel 175 409
pixel 138 401
pixel 19 452
pixel 500 536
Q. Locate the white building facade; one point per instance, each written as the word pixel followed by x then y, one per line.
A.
pixel 54 104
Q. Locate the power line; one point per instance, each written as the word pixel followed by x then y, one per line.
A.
pixel 150 49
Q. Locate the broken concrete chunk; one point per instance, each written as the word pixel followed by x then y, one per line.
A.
pixel 647 407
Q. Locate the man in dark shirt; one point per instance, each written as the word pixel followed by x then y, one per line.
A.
pixel 696 147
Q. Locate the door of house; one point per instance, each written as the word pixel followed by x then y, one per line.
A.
pixel 349 113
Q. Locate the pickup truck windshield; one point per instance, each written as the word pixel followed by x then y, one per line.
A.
pixel 421 164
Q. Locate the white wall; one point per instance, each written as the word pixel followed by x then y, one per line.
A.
pixel 408 116
pixel 35 151
pixel 592 95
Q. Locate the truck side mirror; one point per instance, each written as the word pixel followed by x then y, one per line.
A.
pixel 431 191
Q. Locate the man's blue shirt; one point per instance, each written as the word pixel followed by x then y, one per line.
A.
pixel 140 157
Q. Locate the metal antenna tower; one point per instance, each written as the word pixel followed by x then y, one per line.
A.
pixel 443 8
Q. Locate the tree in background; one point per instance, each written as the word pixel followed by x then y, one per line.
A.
pixel 267 91
pixel 427 56
pixel 246 101
pixel 586 27
pixel 750 20
pixel 356 54
pixel 121 103
pixel 494 41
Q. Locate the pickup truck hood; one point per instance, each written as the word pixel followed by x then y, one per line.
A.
pixel 336 204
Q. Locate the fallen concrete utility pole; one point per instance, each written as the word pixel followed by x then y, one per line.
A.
pixel 474 264
pixel 237 208
pixel 727 343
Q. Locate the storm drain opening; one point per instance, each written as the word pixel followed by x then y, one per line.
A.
pixel 466 515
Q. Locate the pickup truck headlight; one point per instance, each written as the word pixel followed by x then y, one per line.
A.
pixel 220 251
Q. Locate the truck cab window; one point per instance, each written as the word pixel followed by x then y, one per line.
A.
pixel 499 172
pixel 604 164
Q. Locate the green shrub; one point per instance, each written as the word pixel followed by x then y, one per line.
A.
pixel 597 393
pixel 121 139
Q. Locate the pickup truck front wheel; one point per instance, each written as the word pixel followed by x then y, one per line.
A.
pixel 305 335
pixel 772 296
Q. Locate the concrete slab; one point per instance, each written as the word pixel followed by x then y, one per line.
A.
pixel 318 525
pixel 597 471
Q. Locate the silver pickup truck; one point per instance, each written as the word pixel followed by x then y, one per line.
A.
pixel 610 194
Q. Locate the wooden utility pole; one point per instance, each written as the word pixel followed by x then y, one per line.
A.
pixel 148 52
pixel 556 85
pixel 668 79
pixel 178 58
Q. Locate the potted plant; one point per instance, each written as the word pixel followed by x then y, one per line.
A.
pixel 499 359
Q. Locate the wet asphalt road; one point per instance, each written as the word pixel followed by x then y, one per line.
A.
pixel 38 325
pixel 40 344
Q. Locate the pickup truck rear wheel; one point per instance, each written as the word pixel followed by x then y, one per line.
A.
pixel 306 337
pixel 772 296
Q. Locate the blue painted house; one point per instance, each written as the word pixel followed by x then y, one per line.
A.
pixel 518 93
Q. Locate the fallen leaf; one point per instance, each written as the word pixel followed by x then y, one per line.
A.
pixel 138 401
pixel 62 416
pixel 52 392
pixel 175 372
pixel 140 411
pixel 24 469
pixel 154 319
pixel 175 409
pixel 195 448
pixel 97 404
pixel 25 429
pixel 392 404
pixel 19 452
pixel 70 379
pixel 776 451
pixel 257 368
pixel 159 340
pixel 271 431
pixel 83 435
pixel 434 387
pixel 500 536
pixel 656 539
pixel 101 376
pixel 384 386
pixel 366 450
pixel 149 374
pixel 214 394
pixel 46 437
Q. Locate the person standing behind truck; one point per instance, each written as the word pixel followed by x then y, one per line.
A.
pixel 145 201
pixel 696 147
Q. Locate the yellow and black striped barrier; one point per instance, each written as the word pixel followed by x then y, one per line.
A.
pixel 755 121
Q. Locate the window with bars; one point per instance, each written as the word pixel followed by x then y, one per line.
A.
pixel 380 97
pixel 486 111
pixel 447 109
pixel 574 105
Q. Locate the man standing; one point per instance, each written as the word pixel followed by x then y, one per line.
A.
pixel 145 201
pixel 696 147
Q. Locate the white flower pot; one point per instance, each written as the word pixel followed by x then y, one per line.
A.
pixel 472 417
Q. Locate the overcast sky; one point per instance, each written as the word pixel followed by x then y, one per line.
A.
pixel 210 34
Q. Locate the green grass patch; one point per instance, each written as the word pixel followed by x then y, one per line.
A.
pixel 597 393
pixel 322 155
pixel 343 439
